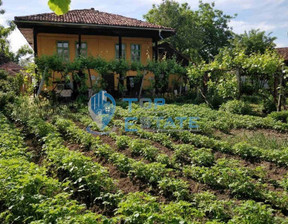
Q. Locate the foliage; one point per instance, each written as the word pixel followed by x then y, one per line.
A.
pixel 236 107
pixel 9 88
pixel 176 188
pixel 27 193
pixel 161 69
pixel 260 69
pixel 60 7
pixel 200 33
pixel 254 41
pixel 6 54
pixel 280 116
pixel 187 154
pixel 88 180
pixel 223 86
pixel 142 208
pixel 122 142
pixel 252 212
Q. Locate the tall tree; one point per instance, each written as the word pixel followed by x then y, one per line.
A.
pixel 200 33
pixel 2 11
pixel 5 53
pixel 254 41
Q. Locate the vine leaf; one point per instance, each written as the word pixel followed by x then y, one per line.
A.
pixel 60 7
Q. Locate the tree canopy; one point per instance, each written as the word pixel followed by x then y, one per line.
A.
pixel 254 41
pixel 200 33
pixel 5 53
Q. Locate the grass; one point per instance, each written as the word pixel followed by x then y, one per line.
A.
pixel 259 139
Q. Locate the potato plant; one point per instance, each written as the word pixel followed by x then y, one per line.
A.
pixel 27 194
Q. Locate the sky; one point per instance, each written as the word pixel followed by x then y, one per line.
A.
pixel 267 15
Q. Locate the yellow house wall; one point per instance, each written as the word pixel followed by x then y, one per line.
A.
pixel 102 46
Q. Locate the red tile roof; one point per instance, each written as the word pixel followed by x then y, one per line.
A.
pixel 283 51
pixel 91 17
pixel 11 67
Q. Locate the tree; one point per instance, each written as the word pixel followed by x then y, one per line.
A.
pixel 254 41
pixel 5 53
pixel 200 33
pixel 2 11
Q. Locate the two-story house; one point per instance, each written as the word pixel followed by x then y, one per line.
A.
pixel 90 32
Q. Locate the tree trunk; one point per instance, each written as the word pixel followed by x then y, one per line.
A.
pixel 279 105
pixel 90 79
pixel 205 86
pixel 275 92
pixel 141 87
pixel 239 85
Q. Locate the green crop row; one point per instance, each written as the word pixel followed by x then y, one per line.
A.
pixel 172 184
pixel 152 173
pixel 58 208
pixel 244 150
pixel 89 178
pixel 27 194
pixel 222 175
pixel 208 118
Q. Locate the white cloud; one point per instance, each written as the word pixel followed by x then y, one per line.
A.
pixel 267 15
pixel 280 44
pixel 242 26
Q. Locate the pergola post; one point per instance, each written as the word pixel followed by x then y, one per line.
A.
pixel 156 50
pixel 35 32
pixel 120 46
pixel 79 45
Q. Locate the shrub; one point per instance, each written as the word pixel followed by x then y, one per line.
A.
pixel 269 105
pixel 236 107
pixel 280 116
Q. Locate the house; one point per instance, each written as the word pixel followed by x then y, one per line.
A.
pixel 166 50
pixel 283 51
pixel 90 32
pixel 11 68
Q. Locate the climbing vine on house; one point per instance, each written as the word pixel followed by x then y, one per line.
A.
pixel 81 68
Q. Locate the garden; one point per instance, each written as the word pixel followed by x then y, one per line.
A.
pixel 232 168
pixel 54 171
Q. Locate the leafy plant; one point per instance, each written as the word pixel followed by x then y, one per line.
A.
pixel 176 188
pixel 236 107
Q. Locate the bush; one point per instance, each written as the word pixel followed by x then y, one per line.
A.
pixel 269 105
pixel 236 107
pixel 280 116
pixel 8 89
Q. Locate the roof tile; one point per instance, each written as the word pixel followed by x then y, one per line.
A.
pixel 92 17
pixel 283 51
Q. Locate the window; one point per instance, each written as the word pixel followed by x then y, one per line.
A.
pixel 83 49
pixel 123 51
pixel 135 52
pixel 63 49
